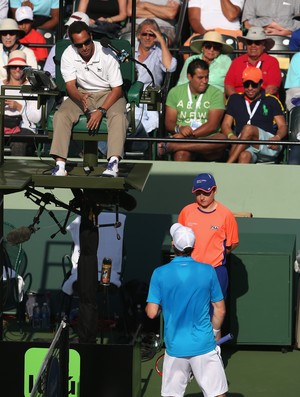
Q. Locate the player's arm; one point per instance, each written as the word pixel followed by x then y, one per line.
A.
pixel 231 248
pixel 218 314
pixel 153 310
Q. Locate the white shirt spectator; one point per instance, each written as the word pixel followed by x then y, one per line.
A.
pixel 212 15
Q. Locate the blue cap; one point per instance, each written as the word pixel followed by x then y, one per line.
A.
pixel 204 182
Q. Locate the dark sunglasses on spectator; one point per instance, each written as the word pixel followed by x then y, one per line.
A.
pixel 86 42
pixel 8 32
pixel 247 84
pixel 215 46
pixel 256 42
pixel 17 67
pixel 148 34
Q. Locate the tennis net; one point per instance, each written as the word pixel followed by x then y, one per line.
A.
pixel 52 379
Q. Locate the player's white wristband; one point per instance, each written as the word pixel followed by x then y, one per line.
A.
pixel 216 331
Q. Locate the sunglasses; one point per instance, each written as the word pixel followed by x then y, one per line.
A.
pixel 256 42
pixel 247 84
pixel 17 67
pixel 216 47
pixel 8 33
pixel 85 43
pixel 148 34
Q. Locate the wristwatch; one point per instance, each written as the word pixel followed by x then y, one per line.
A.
pixel 103 111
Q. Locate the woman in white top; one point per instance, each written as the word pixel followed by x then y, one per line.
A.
pixel 29 114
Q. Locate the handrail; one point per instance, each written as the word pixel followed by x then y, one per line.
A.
pixel 46 138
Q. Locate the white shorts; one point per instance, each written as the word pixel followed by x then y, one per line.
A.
pixel 264 153
pixel 207 369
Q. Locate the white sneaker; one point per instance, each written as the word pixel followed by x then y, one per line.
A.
pixel 56 171
pixel 112 169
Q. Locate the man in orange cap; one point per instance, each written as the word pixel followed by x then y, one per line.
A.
pixel 252 113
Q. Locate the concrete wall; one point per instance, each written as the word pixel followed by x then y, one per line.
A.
pixel 270 192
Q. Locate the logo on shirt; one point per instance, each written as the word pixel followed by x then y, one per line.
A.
pixel 265 110
pixel 214 227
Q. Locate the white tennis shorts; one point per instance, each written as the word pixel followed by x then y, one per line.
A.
pixel 207 369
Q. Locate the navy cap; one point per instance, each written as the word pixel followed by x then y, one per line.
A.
pixel 205 182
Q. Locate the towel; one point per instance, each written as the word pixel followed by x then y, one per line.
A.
pixel 108 246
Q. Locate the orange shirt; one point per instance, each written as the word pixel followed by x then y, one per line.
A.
pixel 34 37
pixel 213 230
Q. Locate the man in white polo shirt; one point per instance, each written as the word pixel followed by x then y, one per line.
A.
pixel 94 85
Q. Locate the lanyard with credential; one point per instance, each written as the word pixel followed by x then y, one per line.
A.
pixel 198 103
pixel 251 113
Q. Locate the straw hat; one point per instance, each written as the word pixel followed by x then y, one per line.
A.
pixel 16 58
pixel 10 25
pixel 212 37
pixel 257 33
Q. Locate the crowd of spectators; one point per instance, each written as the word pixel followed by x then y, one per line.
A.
pixel 253 25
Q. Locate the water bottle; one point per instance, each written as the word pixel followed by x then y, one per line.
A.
pixel 36 323
pixel 45 316
pixel 106 271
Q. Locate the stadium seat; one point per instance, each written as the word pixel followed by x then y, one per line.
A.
pixel 281 44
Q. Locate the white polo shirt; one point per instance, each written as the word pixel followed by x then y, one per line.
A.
pixel 101 72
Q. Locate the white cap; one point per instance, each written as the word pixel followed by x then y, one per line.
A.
pixel 183 237
pixel 78 16
pixel 23 13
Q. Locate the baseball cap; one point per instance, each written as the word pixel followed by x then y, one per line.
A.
pixel 204 182
pixel 78 16
pixel 24 13
pixel 183 237
pixel 253 74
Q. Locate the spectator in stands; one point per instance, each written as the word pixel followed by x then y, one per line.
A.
pixel 21 116
pixel 194 110
pixel 3 9
pixel 112 12
pixel 257 44
pixel 275 17
pixel 76 16
pixel 164 12
pixel 253 114
pixel 292 86
pixel 99 94
pixel 45 12
pixel 292 83
pixel 294 44
pixel 24 18
pixel 212 49
pixel 222 16
pixel 152 51
pixel 10 34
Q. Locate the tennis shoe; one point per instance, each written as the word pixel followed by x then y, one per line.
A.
pixel 112 169
pixel 56 171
